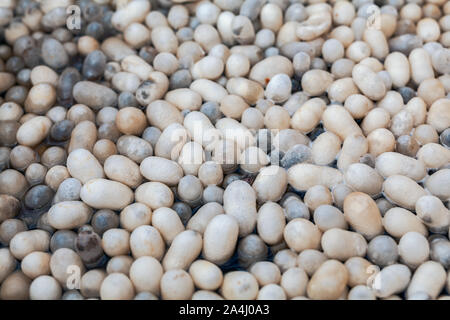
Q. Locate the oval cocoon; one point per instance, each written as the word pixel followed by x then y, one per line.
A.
pixel 239 201
pixel 106 194
pixel 303 176
pixel 363 215
pixel 161 170
pixel 84 166
pixel 328 282
pixel 69 215
pixel 220 238
pixel 342 244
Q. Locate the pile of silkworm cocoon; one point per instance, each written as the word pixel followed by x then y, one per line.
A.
pixel 224 149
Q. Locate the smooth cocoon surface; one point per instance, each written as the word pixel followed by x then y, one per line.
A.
pixel 362 214
pixel 219 239
pixel 106 194
pixel 328 282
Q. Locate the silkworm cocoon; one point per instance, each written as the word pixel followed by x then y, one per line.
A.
pixel 354 146
pixel 391 280
pixel 155 195
pixel 398 221
pixel 439 114
pixel 380 140
pixel 327 217
pixel 200 129
pixel 421 67
pixel 339 121
pixel 368 82
pixel 124 170
pixel 392 163
pixel 361 177
pixel 325 148
pixel 176 284
pixel 233 130
pixel 136 65
pixel 433 213
pixel 168 223
pixel 301 234
pixel 287 138
pixel 308 115
pixel 397 64
pixel 224 27
pixel 376 118
pixel 329 281
pixel 438 184
pixel 303 176
pixel 317 24
pixel 270 184
pixel 84 136
pixel 239 285
pixel 271 223
pixel 69 215
pixel 377 42
pixel 206 275
pixel 146 273
pixel 239 201
pixel 161 114
pixel 403 191
pixel 147 241
pixel 134 11
pixel 33 131
pixel 294 282
pixel 191 158
pixel 83 165
pixel 342 244
pixel 363 215
pixel 161 170
pixel 106 194
pixel 184 98
pixel 429 278
pixel 251 91
pixel 170 142
pixel 418 108
pixel 269 67
pixel 253 159
pixel 26 242
pixel 203 216
pixel 220 238
pixel 185 248
pixel 212 91
pixel 433 155
pixel 341 89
